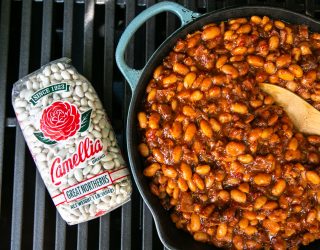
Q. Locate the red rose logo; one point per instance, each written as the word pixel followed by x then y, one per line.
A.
pixel 60 121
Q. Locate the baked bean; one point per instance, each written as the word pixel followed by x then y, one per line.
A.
pixel 176 130
pixel 256 103
pixel 189 79
pixel 209 180
pixel 186 171
pixel 283 61
pixel 293 144
pixel 270 205
pixel 230 70
pixel 244 187
pixel 238 51
pixel 190 132
pixel 309 78
pixel 143 120
pixel 221 61
pixel 198 181
pixel 238 196
pixel 206 128
pixel 177 154
pixel 291 85
pixel 189 111
pixel 313 177
pixel 214 92
pixel 305 50
pixel 264 20
pixel 228 35
pixel 200 236
pixel 274 79
pixel 222 230
pixel 260 202
pixel 255 19
pixel 203 169
pixel 192 186
pixel 280 25
pixel 225 118
pixel 224 195
pixel 182 184
pixel 210 33
pixel 262 179
pixel 196 95
pixel 268 27
pixel 158 71
pixel 215 125
pixel 195 223
pixel 247 158
pixel 274 42
pixel 180 69
pixel 255 61
pixel 235 148
pixel 296 70
pixel 154 120
pixel 206 84
pixel 239 108
pixel 169 171
pixel 143 149
pixel 151 170
pixel 170 79
pixel 158 155
pixel 271 226
pixel 285 75
pixel 279 187
pixel 270 68
pixel 193 40
pixel 243 223
pixel 250 230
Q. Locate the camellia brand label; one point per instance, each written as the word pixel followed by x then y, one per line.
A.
pixel 86 149
pixel 48 90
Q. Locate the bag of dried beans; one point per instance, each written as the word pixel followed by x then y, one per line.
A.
pixel 71 141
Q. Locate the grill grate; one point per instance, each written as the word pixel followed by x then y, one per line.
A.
pixel 33 33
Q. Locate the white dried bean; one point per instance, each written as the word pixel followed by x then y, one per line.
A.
pixel 79 92
pixel 95 170
pixel 87 170
pixel 78 175
pixel 89 96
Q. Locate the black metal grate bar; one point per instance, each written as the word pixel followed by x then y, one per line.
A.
pixel 67 28
pixel 60 230
pixel 19 158
pixel 126 210
pixel 4 41
pixel 40 191
pixel 109 28
pixel 82 240
pixel 60 236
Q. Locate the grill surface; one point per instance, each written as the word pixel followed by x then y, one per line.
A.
pixel 33 33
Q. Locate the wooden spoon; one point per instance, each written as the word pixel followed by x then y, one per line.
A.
pixel 304 116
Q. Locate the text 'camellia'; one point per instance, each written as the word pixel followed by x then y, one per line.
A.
pixel 86 150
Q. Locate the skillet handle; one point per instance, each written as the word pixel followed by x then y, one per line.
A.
pixel 133 75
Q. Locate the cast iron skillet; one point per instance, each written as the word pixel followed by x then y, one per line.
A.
pixel 170 236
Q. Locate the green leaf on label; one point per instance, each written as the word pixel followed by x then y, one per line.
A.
pixel 85 120
pixel 43 139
